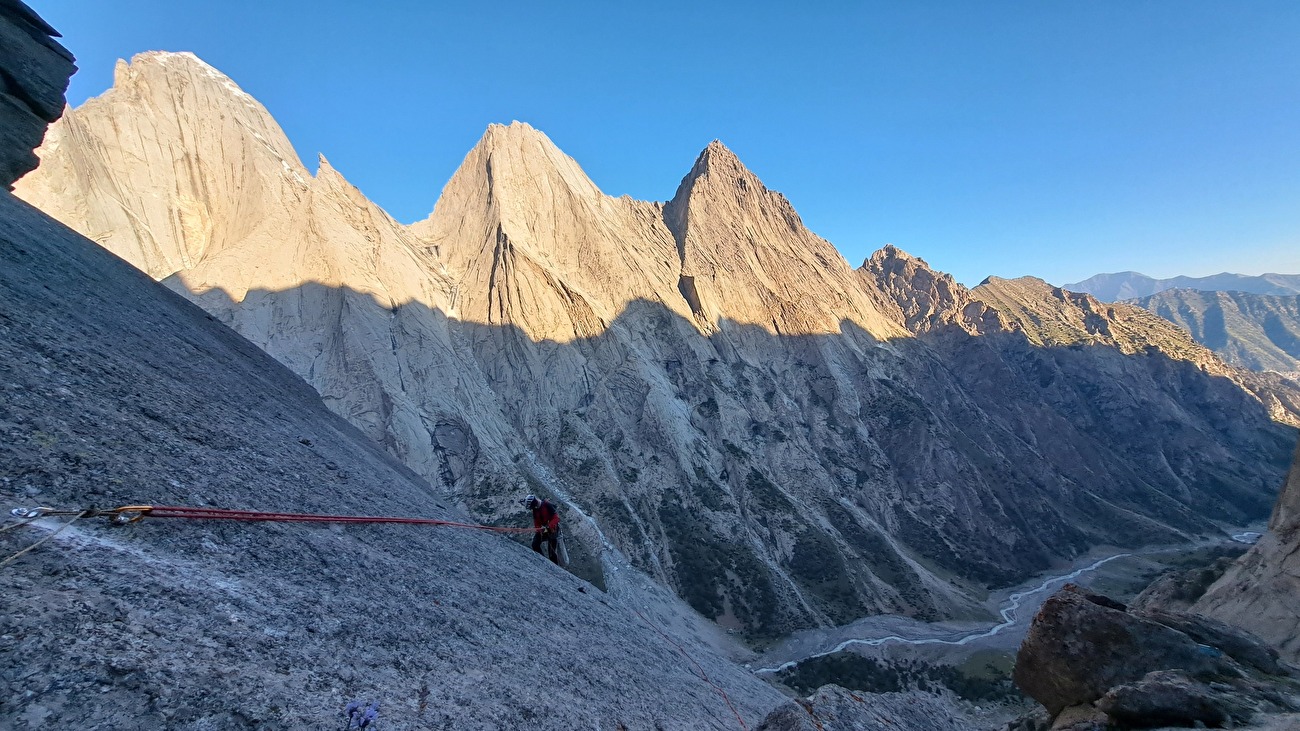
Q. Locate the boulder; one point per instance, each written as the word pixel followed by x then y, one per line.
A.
pixel 1077 649
pixel 1080 718
pixel 1237 643
pixel 1170 698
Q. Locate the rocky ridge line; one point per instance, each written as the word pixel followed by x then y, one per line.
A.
pixel 1132 285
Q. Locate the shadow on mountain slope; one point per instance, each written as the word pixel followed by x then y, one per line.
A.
pixel 781 482
pixel 115 391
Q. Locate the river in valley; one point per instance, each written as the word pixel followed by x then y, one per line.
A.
pixel 1015 608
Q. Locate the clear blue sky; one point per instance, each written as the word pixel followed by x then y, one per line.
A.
pixel 1058 139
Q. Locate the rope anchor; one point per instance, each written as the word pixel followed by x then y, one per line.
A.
pixel 119 516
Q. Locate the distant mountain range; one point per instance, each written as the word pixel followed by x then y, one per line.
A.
pixel 1132 285
pixel 1256 331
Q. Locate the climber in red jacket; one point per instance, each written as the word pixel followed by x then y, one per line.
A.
pixel 546 524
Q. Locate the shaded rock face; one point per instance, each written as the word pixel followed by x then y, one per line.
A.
pixel 705 386
pixel 1092 664
pixel 833 708
pixel 1170 698
pixel 1178 590
pixel 34 73
pixel 1255 331
pixel 1259 592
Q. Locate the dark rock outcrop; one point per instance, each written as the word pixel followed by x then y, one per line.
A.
pixel 34 73
pixel 833 708
pixel 1171 698
pixel 1178 589
pixel 1077 649
pixel 1095 665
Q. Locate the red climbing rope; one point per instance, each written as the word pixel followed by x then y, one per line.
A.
pixel 135 513
pixel 699 668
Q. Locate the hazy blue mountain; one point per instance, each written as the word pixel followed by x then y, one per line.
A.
pixel 1131 285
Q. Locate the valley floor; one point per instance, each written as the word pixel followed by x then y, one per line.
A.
pixel 1116 572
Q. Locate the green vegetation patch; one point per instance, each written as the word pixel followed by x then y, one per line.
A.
pixel 819 567
pixel 708 568
pixel 884 562
pixel 985 681
pixel 698 558
pixel 767 496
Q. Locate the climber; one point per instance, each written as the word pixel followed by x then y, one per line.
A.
pixel 546 523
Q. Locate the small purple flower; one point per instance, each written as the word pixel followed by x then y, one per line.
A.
pixel 353 713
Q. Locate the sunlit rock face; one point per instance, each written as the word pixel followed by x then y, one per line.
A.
pixel 783 440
